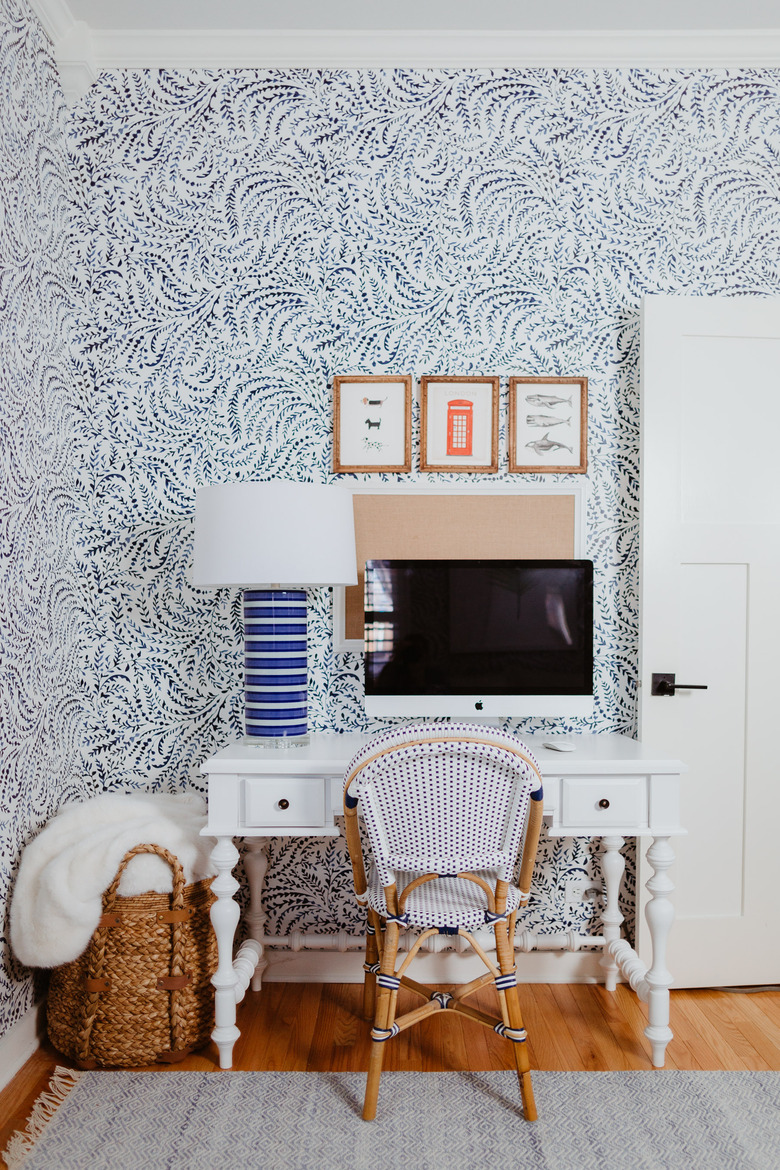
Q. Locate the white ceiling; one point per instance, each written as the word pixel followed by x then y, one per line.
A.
pixel 93 35
pixel 427 14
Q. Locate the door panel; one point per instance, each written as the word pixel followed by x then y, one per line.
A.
pixel 730 423
pixel 708 871
pixel 710 574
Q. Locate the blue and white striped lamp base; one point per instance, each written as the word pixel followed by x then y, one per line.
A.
pixel 275 675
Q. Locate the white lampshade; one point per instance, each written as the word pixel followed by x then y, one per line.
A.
pixel 277 534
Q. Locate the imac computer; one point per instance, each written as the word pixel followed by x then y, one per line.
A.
pixel 479 638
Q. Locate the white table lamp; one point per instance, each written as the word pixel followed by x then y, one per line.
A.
pixel 272 540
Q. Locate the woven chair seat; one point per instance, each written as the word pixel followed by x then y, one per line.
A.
pixel 448 862
pixel 446 902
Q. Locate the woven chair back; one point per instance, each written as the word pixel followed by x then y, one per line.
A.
pixel 444 798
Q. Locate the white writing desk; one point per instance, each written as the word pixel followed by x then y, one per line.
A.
pixel 610 787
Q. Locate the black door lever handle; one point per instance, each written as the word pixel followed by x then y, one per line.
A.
pixel 664 684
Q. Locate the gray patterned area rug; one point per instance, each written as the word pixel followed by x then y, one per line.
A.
pixel 426 1121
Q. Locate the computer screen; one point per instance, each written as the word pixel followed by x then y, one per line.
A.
pixel 503 638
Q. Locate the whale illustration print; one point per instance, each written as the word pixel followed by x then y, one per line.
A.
pixel 545 444
pixel 546 400
pixel 544 420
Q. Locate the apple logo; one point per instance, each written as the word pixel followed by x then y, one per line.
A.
pixel 478 705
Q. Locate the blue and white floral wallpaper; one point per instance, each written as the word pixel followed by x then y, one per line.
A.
pixel 41 722
pixel 242 236
pixel 246 235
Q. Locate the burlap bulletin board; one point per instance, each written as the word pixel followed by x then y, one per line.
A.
pixel 441 527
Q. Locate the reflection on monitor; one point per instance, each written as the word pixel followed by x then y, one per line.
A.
pixel 481 638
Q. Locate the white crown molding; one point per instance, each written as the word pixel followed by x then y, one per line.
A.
pixel 55 16
pixel 76 61
pixel 220 49
pixel 82 52
pixel 73 44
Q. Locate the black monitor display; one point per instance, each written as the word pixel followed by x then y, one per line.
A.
pixel 509 638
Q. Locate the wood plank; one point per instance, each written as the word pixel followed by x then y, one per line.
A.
pixel 323 1042
pixel 259 1039
pixel 457 1036
pixel 482 1045
pixel 680 1055
pixel 431 1044
pixel 498 1052
pixel 607 1047
pixel 304 1001
pixel 753 1013
pixel 552 1045
pixel 351 1038
pixel 765 1003
pixel 606 1005
pixel 745 1036
pixel 634 1014
pixel 691 1050
pixel 712 1048
pixel 584 1055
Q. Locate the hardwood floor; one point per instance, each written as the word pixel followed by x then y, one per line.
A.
pixel 571 1026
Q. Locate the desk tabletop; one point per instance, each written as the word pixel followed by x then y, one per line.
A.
pixel 331 752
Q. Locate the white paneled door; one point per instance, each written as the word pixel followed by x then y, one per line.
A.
pixel 710 616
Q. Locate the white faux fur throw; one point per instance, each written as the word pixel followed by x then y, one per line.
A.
pixel 57 899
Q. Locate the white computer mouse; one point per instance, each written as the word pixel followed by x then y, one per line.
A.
pixel 560 745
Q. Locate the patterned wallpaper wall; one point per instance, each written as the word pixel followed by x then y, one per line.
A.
pixel 246 235
pixel 41 733
pixel 242 236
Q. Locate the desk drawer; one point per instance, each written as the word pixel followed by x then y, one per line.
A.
pixel 620 800
pixel 279 801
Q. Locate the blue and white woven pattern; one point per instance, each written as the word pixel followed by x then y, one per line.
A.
pixel 275 662
pixel 300 1120
pixel 448 901
pixel 443 801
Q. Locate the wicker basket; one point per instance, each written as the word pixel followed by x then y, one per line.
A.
pixel 141 991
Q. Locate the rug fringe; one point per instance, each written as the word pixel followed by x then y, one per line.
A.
pixel 21 1143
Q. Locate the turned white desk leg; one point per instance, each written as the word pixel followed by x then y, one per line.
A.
pixel 659 913
pixel 613 866
pixel 224 918
pixel 256 863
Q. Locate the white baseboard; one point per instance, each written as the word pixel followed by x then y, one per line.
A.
pixel 19 1043
pixel 310 966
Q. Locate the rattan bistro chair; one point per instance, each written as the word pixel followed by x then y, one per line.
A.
pixel 445 808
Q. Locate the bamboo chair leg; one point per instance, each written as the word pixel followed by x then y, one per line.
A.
pixel 369 996
pixel 374 1073
pixel 369 982
pixel 383 1019
pixel 510 1004
pixel 521 1056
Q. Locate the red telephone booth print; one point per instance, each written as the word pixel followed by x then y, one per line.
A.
pixel 460 415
